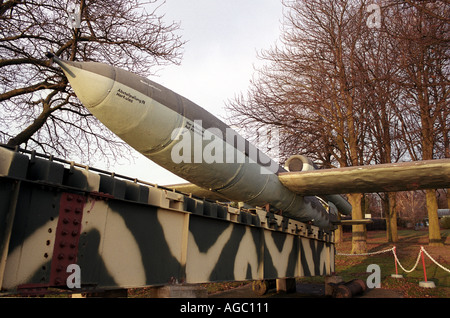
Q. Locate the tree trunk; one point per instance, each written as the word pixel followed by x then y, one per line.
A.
pixel 434 233
pixel 448 198
pixel 391 218
pixel 359 233
pixel 28 132
pixel 338 233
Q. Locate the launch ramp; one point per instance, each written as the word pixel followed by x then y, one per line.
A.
pixel 123 233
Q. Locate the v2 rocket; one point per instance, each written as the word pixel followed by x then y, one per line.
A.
pixel 185 139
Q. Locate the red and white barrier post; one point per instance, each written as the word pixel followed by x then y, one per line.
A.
pixel 396 275
pixel 426 283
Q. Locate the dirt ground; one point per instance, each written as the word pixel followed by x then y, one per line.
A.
pixel 309 290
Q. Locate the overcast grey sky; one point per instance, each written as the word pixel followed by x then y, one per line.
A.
pixel 223 37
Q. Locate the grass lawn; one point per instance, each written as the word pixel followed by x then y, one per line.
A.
pixel 407 250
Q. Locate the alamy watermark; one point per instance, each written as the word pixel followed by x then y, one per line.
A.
pixel 74 20
pixel 374 279
pixel 374 19
pixel 198 145
pixel 74 279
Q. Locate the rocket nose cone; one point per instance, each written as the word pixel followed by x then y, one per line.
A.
pixel 91 81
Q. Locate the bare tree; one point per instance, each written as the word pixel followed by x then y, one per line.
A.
pixel 38 108
pixel 420 35
pixel 430 10
pixel 412 204
pixel 383 142
pixel 313 89
pixel 345 93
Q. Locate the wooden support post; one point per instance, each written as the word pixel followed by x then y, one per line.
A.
pixel 287 285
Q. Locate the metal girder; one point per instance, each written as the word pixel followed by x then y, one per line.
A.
pixel 124 234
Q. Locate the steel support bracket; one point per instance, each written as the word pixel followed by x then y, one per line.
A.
pixel 66 237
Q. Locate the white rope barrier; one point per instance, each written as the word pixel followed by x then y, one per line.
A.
pixel 413 268
pixel 397 260
pixel 426 253
pixel 365 254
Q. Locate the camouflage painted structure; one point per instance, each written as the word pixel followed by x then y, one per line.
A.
pixel 125 233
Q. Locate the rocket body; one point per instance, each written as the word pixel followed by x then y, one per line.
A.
pixel 185 139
